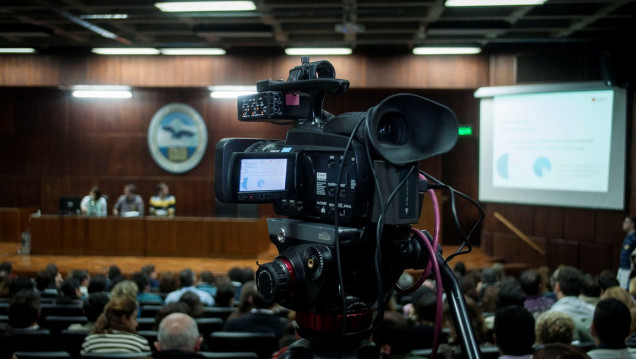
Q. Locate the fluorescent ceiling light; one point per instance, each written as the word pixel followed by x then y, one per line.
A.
pixel 446 50
pixel 493 2
pixel 231 91
pixel 17 50
pixel 209 51
pixel 101 91
pixel 104 16
pixel 125 51
pixel 295 51
pixel 189 6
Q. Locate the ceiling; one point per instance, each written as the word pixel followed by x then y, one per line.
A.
pixel 364 25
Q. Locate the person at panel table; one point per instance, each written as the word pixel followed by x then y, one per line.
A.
pixel 163 203
pixel 94 203
pixel 129 204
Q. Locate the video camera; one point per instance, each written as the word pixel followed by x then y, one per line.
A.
pixel 350 187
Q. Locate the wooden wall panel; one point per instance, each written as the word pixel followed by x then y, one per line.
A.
pixel 597 256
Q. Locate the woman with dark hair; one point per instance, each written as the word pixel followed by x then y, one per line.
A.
pixel 115 329
pixel 94 204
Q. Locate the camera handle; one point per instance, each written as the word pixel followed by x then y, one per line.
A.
pixel 457 305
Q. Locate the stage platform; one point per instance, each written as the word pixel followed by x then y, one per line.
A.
pixel 30 264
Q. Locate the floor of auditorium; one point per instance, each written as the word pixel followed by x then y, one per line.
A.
pixel 30 264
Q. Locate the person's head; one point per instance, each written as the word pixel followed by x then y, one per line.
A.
pixel 126 288
pixel 620 294
pixel 460 269
pixel 7 349
pixel 6 267
pixel 488 276
pixel 168 282
pixel 187 278
pixel 530 282
pixel 607 279
pixel 95 193
pixel 94 305
pixel 235 274
pixel 24 309
pixel 169 308
pixel 142 281
pixel 119 314
pixel 225 294
pixel 509 293
pixel 248 293
pixel 19 284
pixel 393 335
pixel 611 322
pixel 70 289
pixel 426 307
pixel 98 283
pixel 178 331
pixel 568 282
pixel 130 190
pixel 514 330
pixel 559 351
pixel 150 270
pixel 44 280
pixel 163 189
pixel 590 286
pixel 114 272
pixel 82 276
pixel 207 277
pixel 628 224
pixel 193 302
pixel 554 327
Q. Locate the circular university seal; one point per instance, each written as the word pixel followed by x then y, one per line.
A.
pixel 177 137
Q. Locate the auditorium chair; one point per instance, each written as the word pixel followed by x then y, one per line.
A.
pixel 72 341
pixel 61 309
pixel 116 355
pixel 149 311
pixel 145 323
pixel 57 323
pixel 229 355
pixel 34 340
pixel 43 355
pixel 264 344
pixel 218 312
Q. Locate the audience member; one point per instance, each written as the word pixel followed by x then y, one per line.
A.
pixel 622 295
pixel 5 282
pixel 168 282
pixel 245 304
pixel 178 338
pixel 24 311
pixel 260 318
pixel 509 293
pixel 151 271
pixel 610 328
pixel 115 329
pixel 162 204
pixel 224 294
pixel 554 327
pixel 6 268
pixel 129 204
pixel 98 283
pixel 607 279
pixel 206 283
pixel 20 283
pixel 559 351
pixel 187 280
pixel 629 244
pixel 114 276
pixel 94 204
pixel 590 289
pixel 45 284
pixel 126 288
pixel 392 337
pixel 194 304
pixel 142 281
pixel 169 308
pixel 425 309
pixel 514 332
pixel 84 278
pixel 532 286
pixel 7 350
pixel 69 292
pixel 93 307
pixel 568 288
pixel 459 269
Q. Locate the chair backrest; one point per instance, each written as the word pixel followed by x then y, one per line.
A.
pixel 218 312
pixel 208 325
pixel 43 355
pixel 34 340
pixel 150 311
pixel 57 323
pixel 116 355
pixel 68 310
pixel 72 341
pixel 264 344
pixel 145 323
pixel 229 355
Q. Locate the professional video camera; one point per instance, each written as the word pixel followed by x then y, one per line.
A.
pixel 351 188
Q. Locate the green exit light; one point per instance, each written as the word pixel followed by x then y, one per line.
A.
pixel 465 130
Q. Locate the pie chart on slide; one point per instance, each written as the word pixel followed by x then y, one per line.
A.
pixel 542 167
pixel 502 165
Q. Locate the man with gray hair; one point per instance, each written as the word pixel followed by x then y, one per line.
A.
pixel 178 338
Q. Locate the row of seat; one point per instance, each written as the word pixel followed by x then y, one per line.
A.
pixel 67 355
pixel 262 343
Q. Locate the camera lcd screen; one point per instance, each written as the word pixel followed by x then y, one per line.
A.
pixel 262 174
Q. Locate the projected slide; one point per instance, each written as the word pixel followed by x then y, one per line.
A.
pixel 553 141
pixel 265 174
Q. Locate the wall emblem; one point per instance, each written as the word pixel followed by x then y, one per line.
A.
pixel 177 138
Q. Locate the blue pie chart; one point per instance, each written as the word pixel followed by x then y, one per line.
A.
pixel 541 167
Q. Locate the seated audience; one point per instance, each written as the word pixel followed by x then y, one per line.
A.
pixel 168 282
pixel 206 283
pixel 610 328
pixel 45 284
pixel 151 271
pixel 245 304
pixel 260 318
pixel 194 304
pixel 392 336
pixel 98 283
pixel 554 327
pixel 559 351
pixel 84 278
pixel 126 288
pixel 567 288
pixel 622 295
pixel 24 311
pixel 114 276
pixel 224 294
pixel 187 280
pixel 115 329
pixel 69 292
pixel 514 332
pixel 93 307
pixel 590 289
pixel 607 279
pixel 178 338
pixel 423 330
pixel 169 308
pixel 142 281
pixel 7 350
pixel 532 286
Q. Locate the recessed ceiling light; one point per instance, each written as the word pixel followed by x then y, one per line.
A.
pixel 189 6
pixel 296 51
pixel 446 50
pixel 17 50
pixel 208 51
pixel 125 51
pixel 493 2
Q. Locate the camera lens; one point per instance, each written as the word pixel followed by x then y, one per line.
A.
pixel 392 129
